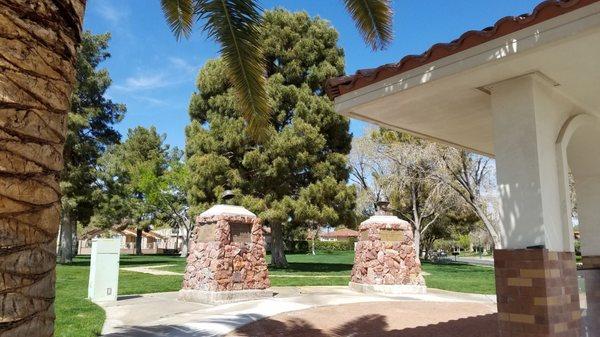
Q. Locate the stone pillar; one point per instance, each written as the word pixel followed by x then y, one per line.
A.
pixel 226 261
pixel 537 288
pixel 385 259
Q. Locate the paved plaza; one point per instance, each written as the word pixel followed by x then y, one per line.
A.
pixel 331 309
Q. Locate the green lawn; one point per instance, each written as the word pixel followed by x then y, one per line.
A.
pixel 78 317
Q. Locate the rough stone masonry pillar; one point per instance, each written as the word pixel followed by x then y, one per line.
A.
pixel 386 260
pixel 226 261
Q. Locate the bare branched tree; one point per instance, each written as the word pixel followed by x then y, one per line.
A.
pixel 401 167
pixel 472 177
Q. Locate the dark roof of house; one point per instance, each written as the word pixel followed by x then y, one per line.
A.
pixel 544 11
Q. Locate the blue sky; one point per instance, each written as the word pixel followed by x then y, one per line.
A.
pixel 154 75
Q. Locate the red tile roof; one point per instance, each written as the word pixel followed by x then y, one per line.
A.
pixel 342 233
pixel 544 11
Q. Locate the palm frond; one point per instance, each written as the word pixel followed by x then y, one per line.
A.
pixel 235 25
pixel 179 15
pixel 373 19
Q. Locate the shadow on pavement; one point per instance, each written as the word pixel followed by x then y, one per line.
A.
pixel 372 326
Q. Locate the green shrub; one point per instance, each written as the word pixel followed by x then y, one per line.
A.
pixel 577 247
pixel 335 246
pixel 296 247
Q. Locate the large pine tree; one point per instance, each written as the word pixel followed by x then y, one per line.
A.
pixel 90 130
pixel 308 141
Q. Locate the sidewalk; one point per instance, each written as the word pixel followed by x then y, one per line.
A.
pixel 161 314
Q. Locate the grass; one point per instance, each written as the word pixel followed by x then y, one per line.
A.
pixel 460 278
pixel 75 315
pixel 78 317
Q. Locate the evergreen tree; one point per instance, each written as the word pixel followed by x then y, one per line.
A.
pixel 90 131
pixel 308 141
pixel 124 170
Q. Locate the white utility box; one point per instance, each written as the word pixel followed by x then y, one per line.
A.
pixel 104 270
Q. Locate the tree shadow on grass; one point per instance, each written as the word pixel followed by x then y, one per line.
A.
pixel 132 260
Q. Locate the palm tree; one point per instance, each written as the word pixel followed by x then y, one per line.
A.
pixel 235 25
pixel 38 41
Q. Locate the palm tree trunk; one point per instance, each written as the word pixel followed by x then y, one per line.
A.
pixel 38 40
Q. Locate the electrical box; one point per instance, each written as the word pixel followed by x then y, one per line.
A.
pixel 104 270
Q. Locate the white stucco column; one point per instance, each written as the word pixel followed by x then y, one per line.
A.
pixel 528 114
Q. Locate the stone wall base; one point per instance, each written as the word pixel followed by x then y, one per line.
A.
pixel 222 297
pixel 388 289
pixel 538 293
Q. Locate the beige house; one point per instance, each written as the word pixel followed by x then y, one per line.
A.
pixel 152 242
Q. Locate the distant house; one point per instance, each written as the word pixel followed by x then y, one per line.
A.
pixel 152 242
pixel 173 238
pixel 339 235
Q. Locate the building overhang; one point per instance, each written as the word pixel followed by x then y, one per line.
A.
pixel 448 99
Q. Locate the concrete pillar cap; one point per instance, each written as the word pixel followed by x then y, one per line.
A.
pixel 384 219
pixel 227 210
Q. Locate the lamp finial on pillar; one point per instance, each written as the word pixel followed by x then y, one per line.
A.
pixel 382 206
pixel 227 196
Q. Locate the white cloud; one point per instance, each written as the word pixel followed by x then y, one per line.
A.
pixel 144 82
pixel 184 65
pixel 176 71
pixel 111 13
pixel 151 100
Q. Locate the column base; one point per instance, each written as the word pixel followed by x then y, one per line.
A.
pixel 538 293
pixel 591 312
pixel 388 289
pixel 223 297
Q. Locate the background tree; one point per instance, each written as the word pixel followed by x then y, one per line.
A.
pixel 402 168
pixel 308 143
pixel 124 171
pixel 90 131
pixel 366 172
pixel 455 225
pixel 237 24
pixel 37 74
pixel 167 193
pixel 325 202
pixel 473 179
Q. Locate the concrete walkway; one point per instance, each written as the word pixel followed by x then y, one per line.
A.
pixel 162 315
pixel 485 261
pixel 152 269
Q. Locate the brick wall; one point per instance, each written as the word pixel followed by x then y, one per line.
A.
pixel 537 293
pixel 591 262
